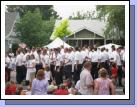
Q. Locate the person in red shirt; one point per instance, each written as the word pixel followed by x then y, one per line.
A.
pixel 114 71
pixel 61 91
pixel 10 88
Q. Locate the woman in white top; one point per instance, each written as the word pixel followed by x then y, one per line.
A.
pixel 39 84
pixel 48 74
pixel 31 70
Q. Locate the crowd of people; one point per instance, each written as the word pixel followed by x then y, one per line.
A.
pixel 65 71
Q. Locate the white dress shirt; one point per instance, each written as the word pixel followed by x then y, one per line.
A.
pixel 78 57
pixel 85 80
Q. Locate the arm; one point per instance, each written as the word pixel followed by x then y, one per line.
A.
pixel 112 87
pixel 96 88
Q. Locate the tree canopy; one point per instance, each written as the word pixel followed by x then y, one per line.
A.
pixel 47 11
pixel 33 30
pixel 62 30
pixel 115 17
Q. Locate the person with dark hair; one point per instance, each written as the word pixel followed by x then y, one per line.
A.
pixel 19 67
pixel 94 56
pixel 38 61
pixel 40 84
pixel 58 68
pixel 78 65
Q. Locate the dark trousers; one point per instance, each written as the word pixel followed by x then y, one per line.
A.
pixel 38 67
pixel 120 73
pixel 20 74
pixel 7 74
pixel 59 75
pixel 52 68
pixel 94 70
pixel 77 73
pixel 24 70
pixel 68 71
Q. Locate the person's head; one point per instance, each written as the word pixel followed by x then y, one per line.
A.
pixel 32 56
pixel 28 57
pixel 40 74
pixel 44 51
pixel 8 84
pixel 95 49
pixel 103 73
pixel 47 68
pixel 113 64
pixel 118 50
pixel 113 47
pixel 12 82
pixel 76 49
pixel 102 49
pixel 87 65
pixel 62 87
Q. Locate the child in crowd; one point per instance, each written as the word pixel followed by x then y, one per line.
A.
pixel 61 91
pixel 10 88
pixel 114 72
pixel 48 74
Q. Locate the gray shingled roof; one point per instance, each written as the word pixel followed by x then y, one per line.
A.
pixel 10 18
pixel 94 25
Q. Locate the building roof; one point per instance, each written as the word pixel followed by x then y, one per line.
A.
pixel 10 19
pixel 94 25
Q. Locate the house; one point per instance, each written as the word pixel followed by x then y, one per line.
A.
pixel 10 35
pixel 85 32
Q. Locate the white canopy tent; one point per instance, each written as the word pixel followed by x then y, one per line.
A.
pixel 57 43
pixel 108 46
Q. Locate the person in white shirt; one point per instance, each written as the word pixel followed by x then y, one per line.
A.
pixel 52 62
pixel 77 86
pixel 78 65
pixel 31 70
pixel 86 80
pixel 94 56
pixel 19 72
pixel 58 67
pixel 45 59
pixel 119 64
pixel 38 61
pixel 68 64
pixel 48 74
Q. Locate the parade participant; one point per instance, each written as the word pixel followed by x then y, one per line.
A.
pixel 68 64
pixel 78 65
pixel 94 56
pixel 7 67
pixel 38 61
pixel 45 59
pixel 119 65
pixel 48 74
pixel 19 70
pixel 39 84
pixel 31 70
pixel 58 67
pixel 114 71
pixel 86 80
pixel 52 62
pixel 103 85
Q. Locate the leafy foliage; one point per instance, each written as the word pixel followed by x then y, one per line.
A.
pixel 33 30
pixel 115 17
pixel 62 30
pixel 47 11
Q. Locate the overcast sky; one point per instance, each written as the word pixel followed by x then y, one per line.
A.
pixel 67 10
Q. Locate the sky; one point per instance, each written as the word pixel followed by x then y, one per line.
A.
pixel 67 10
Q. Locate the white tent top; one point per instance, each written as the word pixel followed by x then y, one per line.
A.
pixel 57 43
pixel 108 46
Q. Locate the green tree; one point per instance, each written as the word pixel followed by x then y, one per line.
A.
pixel 115 17
pixel 47 11
pixel 62 30
pixel 32 30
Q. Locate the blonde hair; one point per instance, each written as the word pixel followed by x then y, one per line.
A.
pixel 103 72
